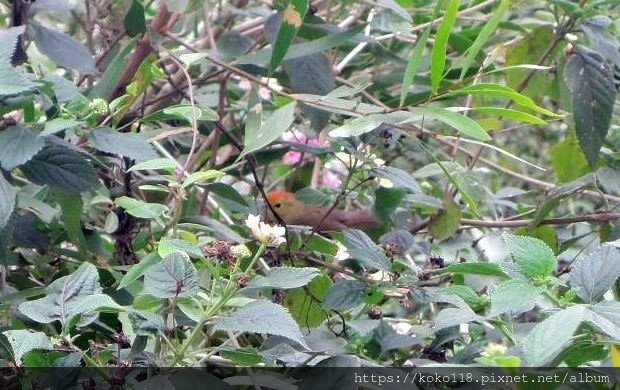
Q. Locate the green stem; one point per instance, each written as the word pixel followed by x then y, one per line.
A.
pixel 227 294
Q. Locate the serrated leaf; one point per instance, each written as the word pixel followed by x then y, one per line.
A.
pixel 453 316
pixel 534 257
pixel 551 336
pixel 57 125
pixel 489 269
pixel 262 316
pixel 23 341
pixel 596 273
pixel 18 145
pixel 64 297
pixel 569 162
pixel 129 145
pixel 8 195
pixel 361 248
pixel 513 297
pixel 284 278
pixel 174 276
pixel 593 93
pixel 278 122
pixel 141 209
pixel 62 169
pixel 305 303
pixel 446 222
pixel 8 42
pixel 62 49
pixel 345 295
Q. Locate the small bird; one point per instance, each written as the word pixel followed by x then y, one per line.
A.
pixel 295 212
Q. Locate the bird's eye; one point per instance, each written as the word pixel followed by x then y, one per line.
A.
pixel 277 205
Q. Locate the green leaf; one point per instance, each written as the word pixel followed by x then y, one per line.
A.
pixel 391 198
pixel 64 297
pixel 529 50
pixel 513 297
pixel 511 114
pixel 201 177
pixel 569 162
pixel 156 163
pixel 303 48
pixel 284 278
pixel 555 195
pixel 358 126
pixel 460 122
pixel 453 316
pixel 18 145
pixel 489 89
pixel 111 76
pixel 12 82
pixel 292 19
pixel 8 194
pixel 167 246
pixel 262 316
pixel 129 145
pixel 305 303
pixel 8 42
pixel 413 65
pixel 596 273
pixel 593 93
pixel 468 294
pixel 484 35
pixel 72 206
pixel 545 233
pixel 62 169
pixel 174 276
pixel 62 49
pixel 135 22
pixel 489 269
pixel 534 257
pixel 399 178
pixel 345 295
pixel 446 222
pixel 182 112
pixel 438 55
pixel 138 270
pixel 550 337
pixel 141 209
pixel 364 250
pixel 57 125
pixel 23 341
pixel 320 244
pixel 273 127
pixel 244 356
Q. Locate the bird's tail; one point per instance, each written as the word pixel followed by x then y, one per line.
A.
pixel 361 219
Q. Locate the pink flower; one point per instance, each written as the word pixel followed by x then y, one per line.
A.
pixel 332 174
pixel 294 157
pixel 331 180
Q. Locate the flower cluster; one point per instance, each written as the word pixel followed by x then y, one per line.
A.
pixel 267 234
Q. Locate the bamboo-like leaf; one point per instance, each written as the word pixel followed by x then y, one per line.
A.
pixel 292 19
pixel 438 56
pixel 484 35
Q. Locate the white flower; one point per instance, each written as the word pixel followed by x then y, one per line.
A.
pixel 271 235
pixel 241 251
pixel 342 253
